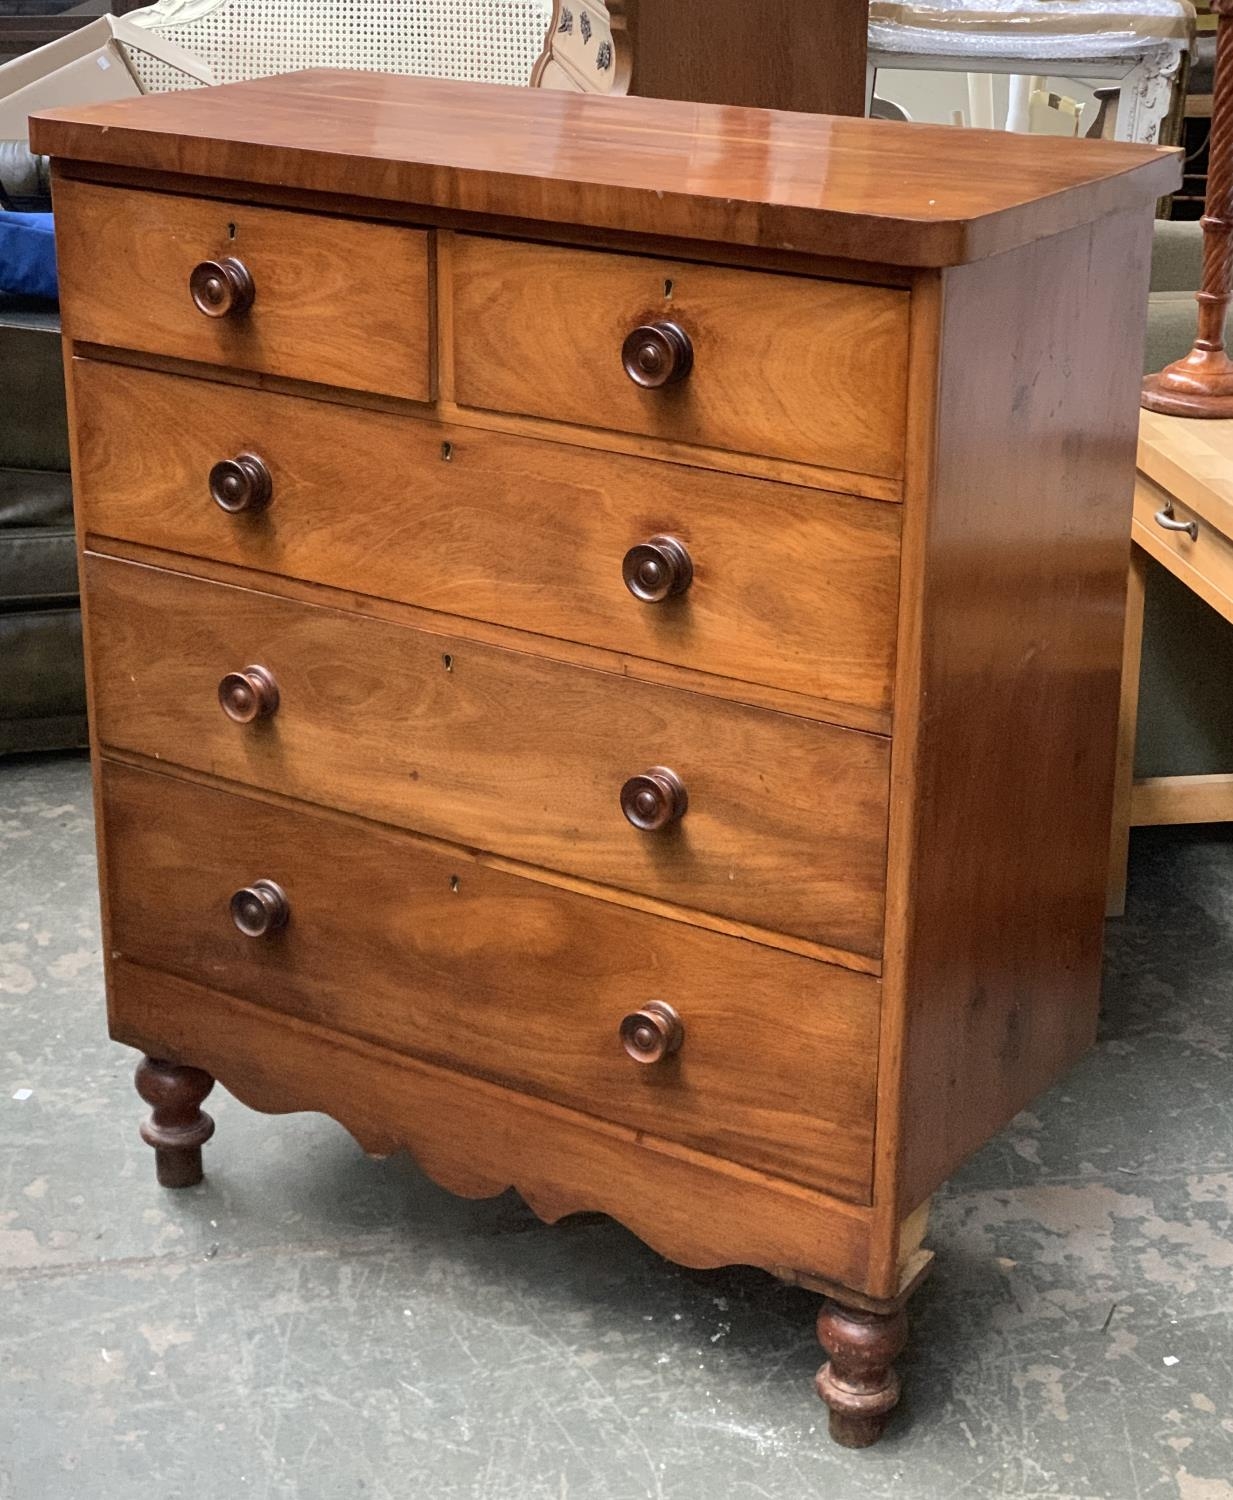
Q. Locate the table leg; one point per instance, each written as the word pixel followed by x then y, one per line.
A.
pixel 1128 723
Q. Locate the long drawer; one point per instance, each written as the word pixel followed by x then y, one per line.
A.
pixel 429 953
pixel 338 301
pixel 782 366
pixel 774 820
pixel 786 587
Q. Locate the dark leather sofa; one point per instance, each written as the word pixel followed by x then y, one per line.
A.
pixel 42 689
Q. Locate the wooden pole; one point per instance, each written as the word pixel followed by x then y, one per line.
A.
pixel 1201 385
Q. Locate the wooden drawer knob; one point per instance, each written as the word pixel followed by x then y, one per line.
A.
pixel 657 354
pixel 260 908
pixel 658 569
pixel 241 483
pixel 654 799
pixel 652 1033
pixel 221 288
pixel 248 695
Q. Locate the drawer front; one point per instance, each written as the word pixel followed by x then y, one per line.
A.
pixel 782 366
pixel 786 820
pixel 428 953
pixel 1204 561
pixel 790 588
pixel 333 300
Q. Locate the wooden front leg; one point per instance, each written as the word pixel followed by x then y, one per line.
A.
pixel 859 1382
pixel 176 1126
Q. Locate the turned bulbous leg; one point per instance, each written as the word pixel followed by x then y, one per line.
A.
pixel 859 1382
pixel 176 1126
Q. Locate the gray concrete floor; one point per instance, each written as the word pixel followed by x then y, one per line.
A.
pixel 309 1324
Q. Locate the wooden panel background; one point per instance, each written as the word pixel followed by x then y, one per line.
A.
pixel 773 54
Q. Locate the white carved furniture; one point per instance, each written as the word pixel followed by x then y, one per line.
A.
pixel 1139 44
pixel 496 41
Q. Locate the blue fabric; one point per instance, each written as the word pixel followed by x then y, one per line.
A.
pixel 27 255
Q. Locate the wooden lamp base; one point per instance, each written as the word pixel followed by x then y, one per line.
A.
pixel 1201 385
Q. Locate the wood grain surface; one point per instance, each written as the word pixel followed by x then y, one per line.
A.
pixel 799 369
pixel 434 955
pixel 336 300
pixel 793 588
pixel 500 750
pixel 1015 554
pixel 1193 461
pixel 917 195
pixel 777 54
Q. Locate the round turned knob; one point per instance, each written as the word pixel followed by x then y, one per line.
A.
pixel 657 354
pixel 241 483
pixel 654 799
pixel 652 1033
pixel 658 569
pixel 248 695
pixel 260 908
pixel 221 288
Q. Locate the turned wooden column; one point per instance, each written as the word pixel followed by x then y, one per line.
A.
pixel 859 1382
pixel 177 1127
pixel 1201 385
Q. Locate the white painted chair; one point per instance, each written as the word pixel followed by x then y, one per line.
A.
pixel 1140 44
pixel 491 41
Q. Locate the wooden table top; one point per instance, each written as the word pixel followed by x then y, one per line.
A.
pixel 870 190
pixel 1193 460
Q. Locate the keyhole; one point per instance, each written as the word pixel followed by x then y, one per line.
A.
pixel 454 882
pixel 447 452
pixel 668 289
pixel 231 231
pixel 447 661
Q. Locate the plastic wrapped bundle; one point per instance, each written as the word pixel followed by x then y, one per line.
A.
pixel 1030 29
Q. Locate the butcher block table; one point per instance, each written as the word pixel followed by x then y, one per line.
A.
pixel 1183 519
pixel 605 620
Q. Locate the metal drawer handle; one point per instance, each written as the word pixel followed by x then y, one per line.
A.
pixel 1167 521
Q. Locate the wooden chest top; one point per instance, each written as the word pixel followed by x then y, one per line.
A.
pixel 907 195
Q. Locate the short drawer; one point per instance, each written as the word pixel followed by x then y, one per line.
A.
pixel 783 819
pixel 336 301
pixel 429 953
pixel 1186 542
pixel 790 588
pixel 782 366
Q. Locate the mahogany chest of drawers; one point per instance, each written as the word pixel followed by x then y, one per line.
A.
pixel 604 623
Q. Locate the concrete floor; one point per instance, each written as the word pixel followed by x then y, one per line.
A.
pixel 309 1324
